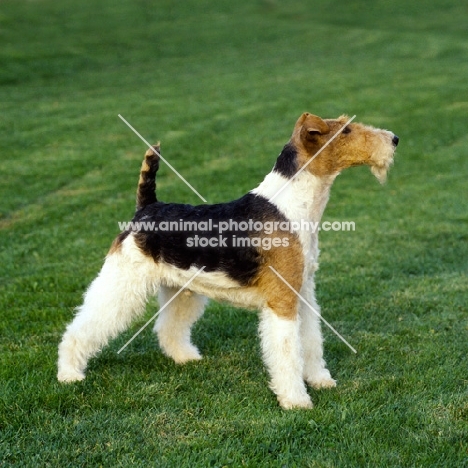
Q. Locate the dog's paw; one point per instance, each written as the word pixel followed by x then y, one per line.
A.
pixel 321 380
pixel 189 353
pixel 70 375
pixel 298 402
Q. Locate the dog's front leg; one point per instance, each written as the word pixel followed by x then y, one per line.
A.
pixel 281 346
pixel 315 372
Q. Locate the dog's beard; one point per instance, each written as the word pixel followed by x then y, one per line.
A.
pixel 380 172
pixel 380 169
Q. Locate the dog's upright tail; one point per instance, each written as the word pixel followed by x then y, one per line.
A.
pixel 146 192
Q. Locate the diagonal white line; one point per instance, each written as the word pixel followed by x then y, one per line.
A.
pixel 313 310
pixel 160 310
pixel 170 166
pixel 312 158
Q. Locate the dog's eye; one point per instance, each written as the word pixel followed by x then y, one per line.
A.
pixel 346 130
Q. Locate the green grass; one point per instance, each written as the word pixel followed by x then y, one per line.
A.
pixel 221 85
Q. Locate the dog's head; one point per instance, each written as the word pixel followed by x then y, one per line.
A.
pixel 327 146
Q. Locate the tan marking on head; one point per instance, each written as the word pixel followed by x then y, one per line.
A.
pixel 359 144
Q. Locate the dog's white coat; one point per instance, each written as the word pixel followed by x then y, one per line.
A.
pixel 292 349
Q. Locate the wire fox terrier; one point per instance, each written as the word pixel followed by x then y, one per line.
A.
pixel 259 275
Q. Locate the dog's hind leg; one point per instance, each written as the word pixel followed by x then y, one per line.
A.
pixel 175 322
pixel 113 300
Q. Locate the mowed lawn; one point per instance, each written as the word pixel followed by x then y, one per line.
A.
pixel 221 84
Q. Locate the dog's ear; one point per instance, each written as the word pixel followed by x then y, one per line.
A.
pixel 312 127
pixel 302 119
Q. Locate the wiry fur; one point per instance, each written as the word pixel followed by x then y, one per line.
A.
pixel 141 263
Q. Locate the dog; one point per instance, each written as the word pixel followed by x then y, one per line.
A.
pixel 241 263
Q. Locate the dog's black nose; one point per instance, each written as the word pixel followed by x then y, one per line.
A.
pixel 395 140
